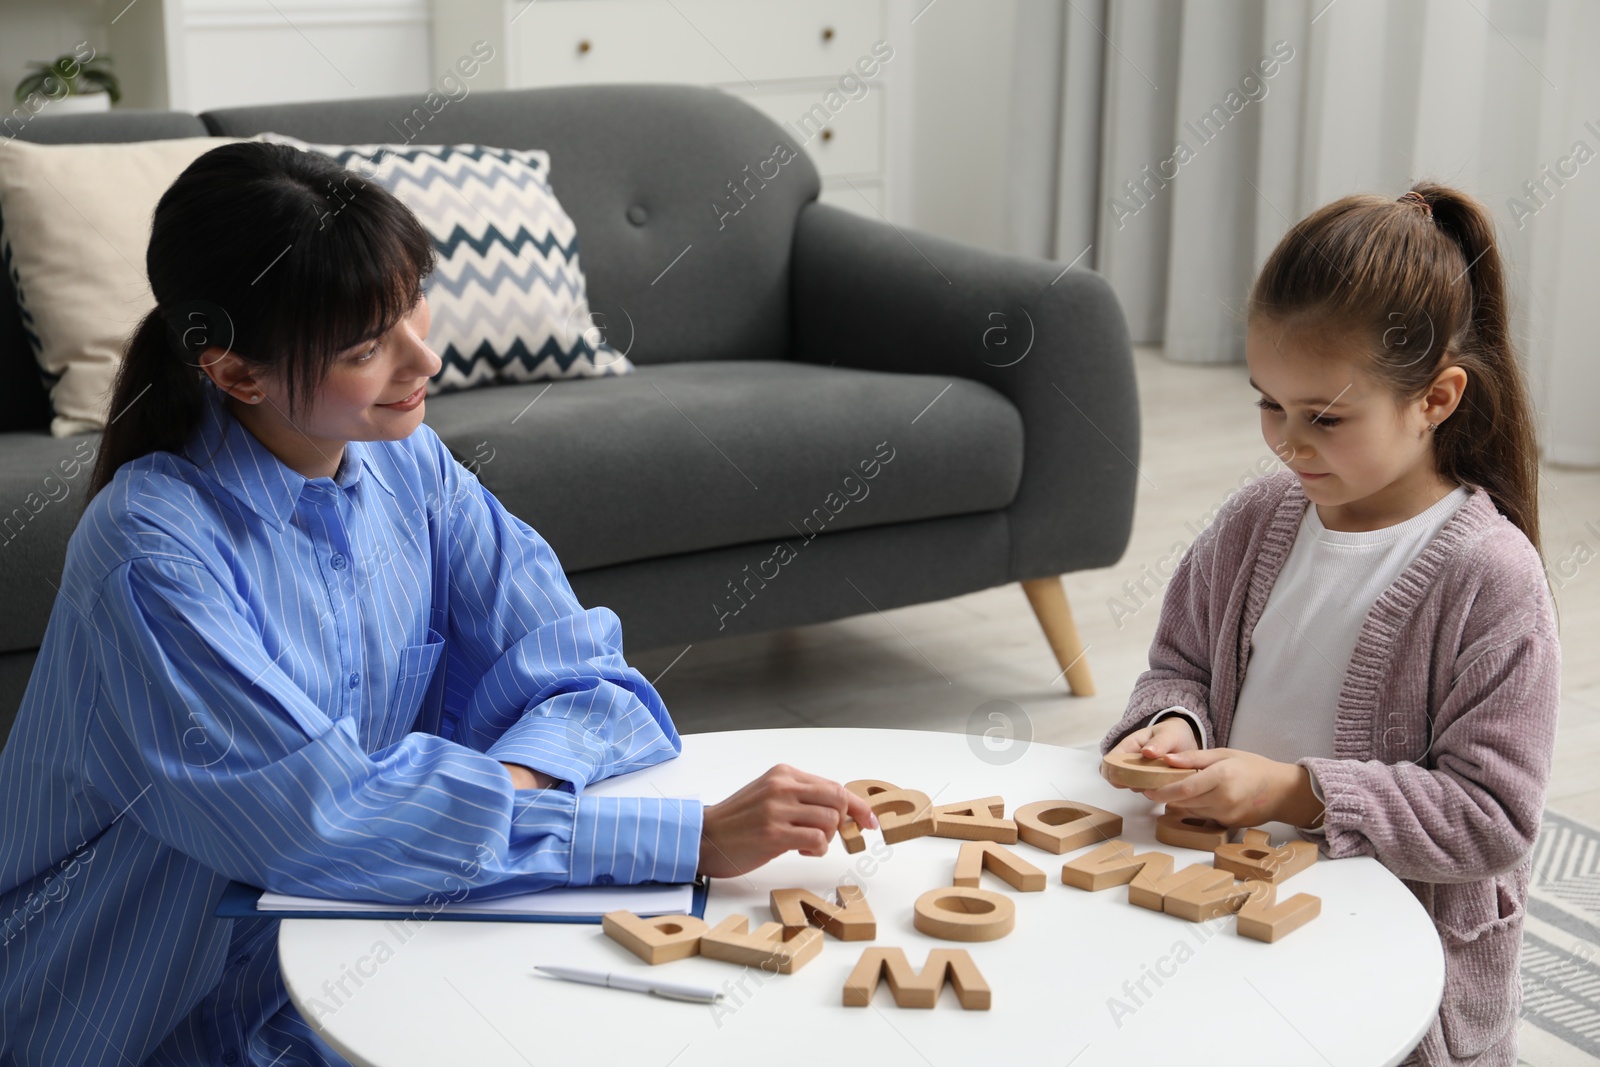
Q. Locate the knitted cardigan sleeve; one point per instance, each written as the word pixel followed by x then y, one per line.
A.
pixel 1182 650
pixel 1471 808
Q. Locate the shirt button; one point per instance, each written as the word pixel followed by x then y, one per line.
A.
pixel 604 879
pixel 338 561
pixel 230 1056
pixel 355 679
pixel 242 960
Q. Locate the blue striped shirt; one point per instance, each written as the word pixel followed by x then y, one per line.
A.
pixel 307 685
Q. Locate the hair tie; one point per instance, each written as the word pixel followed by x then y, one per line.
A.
pixel 1414 197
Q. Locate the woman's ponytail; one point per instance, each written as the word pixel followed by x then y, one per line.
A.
pixel 155 402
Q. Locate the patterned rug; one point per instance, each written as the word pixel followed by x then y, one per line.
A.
pixel 1561 948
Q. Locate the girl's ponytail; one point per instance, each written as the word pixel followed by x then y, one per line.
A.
pixel 1490 440
pixel 1420 281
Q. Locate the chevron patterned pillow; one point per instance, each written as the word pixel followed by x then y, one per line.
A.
pixel 508 297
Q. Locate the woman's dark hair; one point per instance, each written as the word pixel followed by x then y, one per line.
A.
pixel 1419 279
pixel 279 255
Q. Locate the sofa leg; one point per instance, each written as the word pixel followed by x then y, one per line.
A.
pixel 1049 600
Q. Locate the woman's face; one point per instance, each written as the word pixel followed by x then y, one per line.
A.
pixel 354 403
pixel 351 405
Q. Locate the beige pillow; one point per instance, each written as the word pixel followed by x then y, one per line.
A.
pixel 77 221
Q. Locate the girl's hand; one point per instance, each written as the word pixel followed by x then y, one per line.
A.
pixel 1238 788
pixel 783 809
pixel 1153 742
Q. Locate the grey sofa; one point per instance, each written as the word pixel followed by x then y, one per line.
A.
pixel 784 352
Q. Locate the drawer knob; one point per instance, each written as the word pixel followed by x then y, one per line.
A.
pixel 827 133
pixel 827 33
pixel 584 46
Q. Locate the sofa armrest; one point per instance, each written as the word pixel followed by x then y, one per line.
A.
pixel 1055 344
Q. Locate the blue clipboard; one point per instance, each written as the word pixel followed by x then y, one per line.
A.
pixel 238 901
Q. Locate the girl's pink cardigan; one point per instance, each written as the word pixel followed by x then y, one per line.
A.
pixel 1444 736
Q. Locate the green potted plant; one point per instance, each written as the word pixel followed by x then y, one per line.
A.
pixel 71 85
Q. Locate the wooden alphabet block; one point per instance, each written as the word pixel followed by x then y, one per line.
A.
pixel 850 834
pixel 658 939
pixel 866 789
pixel 1257 858
pixel 903 815
pixel 1151 885
pixel 1062 825
pixel 975 820
pixel 913 990
pixel 849 920
pixel 1133 771
pixel 1113 863
pixel 962 913
pixel 730 940
pixel 1207 896
pixel 977 856
pixel 1262 918
pixel 1190 831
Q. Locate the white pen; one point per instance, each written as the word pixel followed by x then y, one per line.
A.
pixel 670 990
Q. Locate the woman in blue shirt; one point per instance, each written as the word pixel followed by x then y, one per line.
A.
pixel 298 645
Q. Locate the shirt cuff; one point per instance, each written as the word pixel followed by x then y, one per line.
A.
pixel 628 840
pixel 1193 719
pixel 559 747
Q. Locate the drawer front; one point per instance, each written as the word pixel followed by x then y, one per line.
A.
pixel 698 42
pixel 844 141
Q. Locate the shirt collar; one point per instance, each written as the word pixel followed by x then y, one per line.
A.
pixel 233 456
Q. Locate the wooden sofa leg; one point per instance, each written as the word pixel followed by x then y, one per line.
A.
pixel 1049 600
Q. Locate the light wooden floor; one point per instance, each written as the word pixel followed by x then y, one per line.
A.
pixel 933 666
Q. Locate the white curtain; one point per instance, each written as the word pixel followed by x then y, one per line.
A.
pixel 1187 135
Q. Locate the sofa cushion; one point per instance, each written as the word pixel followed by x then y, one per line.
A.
pixel 77 223
pixel 690 456
pixel 24 401
pixel 508 298
pixel 43 486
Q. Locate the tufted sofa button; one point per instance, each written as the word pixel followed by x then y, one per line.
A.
pixel 637 215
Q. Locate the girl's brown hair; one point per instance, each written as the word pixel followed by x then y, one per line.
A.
pixel 1419 279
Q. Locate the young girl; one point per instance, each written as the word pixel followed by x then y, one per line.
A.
pixel 1364 646
pixel 297 644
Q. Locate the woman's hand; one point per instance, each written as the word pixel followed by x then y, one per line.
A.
pixel 1153 742
pixel 527 778
pixel 783 809
pixel 1238 788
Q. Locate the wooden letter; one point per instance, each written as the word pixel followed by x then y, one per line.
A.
pixel 912 990
pixel 1151 885
pixel 1256 858
pixel 1113 863
pixel 1133 771
pixel 961 913
pixel 866 789
pixel 1062 825
pixel 976 856
pixel 848 920
pixel 975 820
pixel 659 939
pixel 1190 831
pixel 1207 896
pixel 902 814
pixel 766 948
pixel 1264 919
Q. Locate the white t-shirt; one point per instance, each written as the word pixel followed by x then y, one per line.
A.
pixel 1302 643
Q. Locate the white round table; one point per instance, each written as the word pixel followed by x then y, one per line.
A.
pixel 1084 979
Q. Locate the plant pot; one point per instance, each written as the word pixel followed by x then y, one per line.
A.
pixel 78 103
